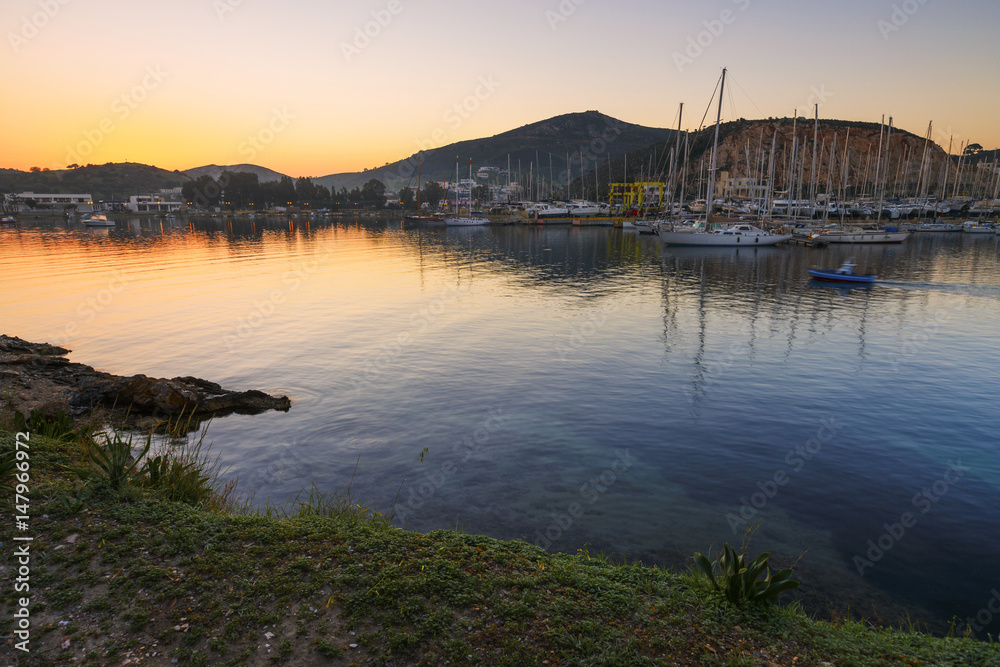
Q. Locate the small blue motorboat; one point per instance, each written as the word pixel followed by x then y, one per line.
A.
pixel 845 274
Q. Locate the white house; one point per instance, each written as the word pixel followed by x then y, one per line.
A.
pixel 81 203
pixel 151 204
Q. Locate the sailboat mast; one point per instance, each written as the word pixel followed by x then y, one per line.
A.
pixel 676 157
pixel 684 169
pixel 715 150
pixel 812 173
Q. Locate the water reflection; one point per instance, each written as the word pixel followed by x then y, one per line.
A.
pixel 709 366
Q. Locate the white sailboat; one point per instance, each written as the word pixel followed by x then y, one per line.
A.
pixel 741 234
pixel 460 221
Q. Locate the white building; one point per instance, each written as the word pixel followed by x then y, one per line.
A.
pixel 151 204
pixel 739 188
pixel 81 203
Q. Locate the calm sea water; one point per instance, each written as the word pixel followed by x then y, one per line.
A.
pixel 579 389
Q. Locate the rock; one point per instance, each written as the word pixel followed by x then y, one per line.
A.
pixel 54 384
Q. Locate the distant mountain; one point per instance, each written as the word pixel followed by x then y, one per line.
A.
pixel 743 143
pixel 598 136
pixel 264 175
pixel 103 181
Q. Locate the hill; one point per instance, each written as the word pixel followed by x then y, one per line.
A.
pixel 598 136
pixel 744 150
pixel 264 175
pixel 103 182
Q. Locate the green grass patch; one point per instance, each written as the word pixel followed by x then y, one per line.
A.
pixel 144 571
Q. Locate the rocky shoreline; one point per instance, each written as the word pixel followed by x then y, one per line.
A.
pixel 38 376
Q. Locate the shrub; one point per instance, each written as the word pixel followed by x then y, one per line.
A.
pixel 115 465
pixel 739 581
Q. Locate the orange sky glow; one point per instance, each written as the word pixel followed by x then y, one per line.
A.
pixel 310 88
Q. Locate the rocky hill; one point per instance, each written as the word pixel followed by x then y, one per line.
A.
pixel 745 151
pixel 598 136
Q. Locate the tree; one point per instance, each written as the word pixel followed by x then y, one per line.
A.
pixel 973 149
pixel 204 191
pixel 433 193
pixel 373 193
pixel 406 198
pixel 241 190
pixel 305 191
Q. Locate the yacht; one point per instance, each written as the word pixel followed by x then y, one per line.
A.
pixel 741 234
pixel 97 220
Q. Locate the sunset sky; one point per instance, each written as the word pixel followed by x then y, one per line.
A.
pixel 313 88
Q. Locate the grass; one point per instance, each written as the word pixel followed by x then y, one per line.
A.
pixel 136 574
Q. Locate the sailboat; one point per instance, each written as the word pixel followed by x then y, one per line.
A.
pixel 741 234
pixel 469 220
pixel 417 217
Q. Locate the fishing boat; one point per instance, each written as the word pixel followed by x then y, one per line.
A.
pixel 468 220
pixel 8 220
pixel 97 220
pixel 845 274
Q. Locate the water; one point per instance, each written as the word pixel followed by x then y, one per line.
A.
pixel 578 388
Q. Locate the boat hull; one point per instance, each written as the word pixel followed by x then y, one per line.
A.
pixel 715 239
pixel 867 237
pixel 466 222
pixel 833 276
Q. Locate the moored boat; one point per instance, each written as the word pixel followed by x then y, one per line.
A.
pixel 742 234
pixel 97 220
pixel 887 235
pixel 973 227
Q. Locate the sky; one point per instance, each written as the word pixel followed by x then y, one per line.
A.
pixel 310 88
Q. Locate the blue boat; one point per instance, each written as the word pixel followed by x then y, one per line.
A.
pixel 845 274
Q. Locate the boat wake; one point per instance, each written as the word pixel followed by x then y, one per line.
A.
pixel 983 291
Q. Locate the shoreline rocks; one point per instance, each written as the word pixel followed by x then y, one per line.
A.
pixel 39 376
